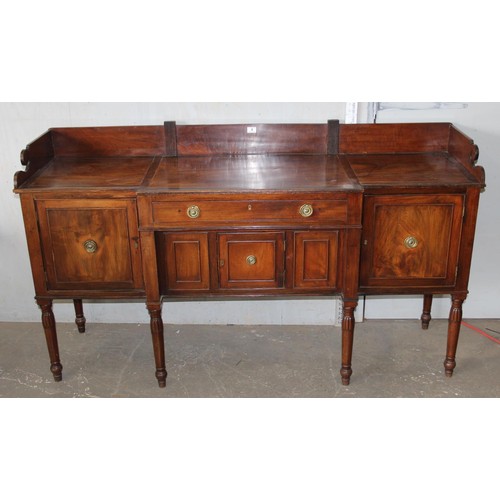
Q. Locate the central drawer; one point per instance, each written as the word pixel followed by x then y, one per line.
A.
pixel 193 212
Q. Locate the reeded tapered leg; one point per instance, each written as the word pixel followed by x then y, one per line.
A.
pixel 79 317
pixel 49 327
pixel 426 312
pixel 347 339
pixel 453 332
pixel 158 343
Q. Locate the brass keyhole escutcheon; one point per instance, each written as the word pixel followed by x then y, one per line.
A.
pixel 193 212
pixel 251 260
pixel 411 242
pixel 90 246
pixel 306 210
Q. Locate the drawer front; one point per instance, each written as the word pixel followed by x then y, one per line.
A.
pixel 193 212
pixel 251 260
pixel 90 244
pixel 411 240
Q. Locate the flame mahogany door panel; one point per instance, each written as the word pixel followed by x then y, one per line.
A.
pixel 411 240
pixel 90 244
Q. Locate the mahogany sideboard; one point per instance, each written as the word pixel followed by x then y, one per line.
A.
pixel 190 211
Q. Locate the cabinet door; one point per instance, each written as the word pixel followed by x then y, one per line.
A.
pixel 184 261
pixel 251 260
pixel 410 240
pixel 316 259
pixel 90 244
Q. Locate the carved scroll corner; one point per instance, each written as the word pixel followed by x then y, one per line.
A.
pixel 474 154
pixel 21 175
pixel 478 170
pixel 23 157
pixel 481 176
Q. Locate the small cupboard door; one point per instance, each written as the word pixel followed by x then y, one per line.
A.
pixel 316 259
pixel 185 260
pixel 90 244
pixel 410 240
pixel 251 260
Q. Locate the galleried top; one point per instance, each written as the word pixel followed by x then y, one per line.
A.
pixel 249 157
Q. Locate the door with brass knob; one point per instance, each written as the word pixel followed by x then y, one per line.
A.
pixel 410 239
pixel 251 260
pixel 90 244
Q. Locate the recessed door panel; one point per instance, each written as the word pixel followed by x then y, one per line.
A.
pixel 316 258
pixel 251 260
pixel 187 261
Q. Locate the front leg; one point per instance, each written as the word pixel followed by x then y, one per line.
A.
pixel 454 323
pixel 49 327
pixel 347 339
pixel 158 343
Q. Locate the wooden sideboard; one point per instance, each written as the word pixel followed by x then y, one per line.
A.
pixel 190 211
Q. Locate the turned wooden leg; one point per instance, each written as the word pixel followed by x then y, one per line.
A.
pixel 79 317
pixel 49 326
pixel 453 333
pixel 347 339
pixel 426 312
pixel 158 343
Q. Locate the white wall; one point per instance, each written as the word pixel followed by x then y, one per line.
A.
pixel 481 121
pixel 20 123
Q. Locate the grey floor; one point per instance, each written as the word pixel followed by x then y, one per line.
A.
pixel 391 359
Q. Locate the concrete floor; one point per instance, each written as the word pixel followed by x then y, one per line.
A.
pixel 391 359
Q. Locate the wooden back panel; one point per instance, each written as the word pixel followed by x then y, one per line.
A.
pixel 109 141
pixel 394 138
pixel 198 140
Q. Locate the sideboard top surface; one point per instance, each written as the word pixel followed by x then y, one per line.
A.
pixel 253 173
pixel 430 169
pixel 87 173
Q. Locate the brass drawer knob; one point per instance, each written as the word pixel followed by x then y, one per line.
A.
pixel 90 246
pixel 306 210
pixel 251 260
pixel 411 242
pixel 193 212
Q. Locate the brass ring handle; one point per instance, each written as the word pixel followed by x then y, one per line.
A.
pixel 251 260
pixel 411 242
pixel 306 210
pixel 193 212
pixel 90 246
